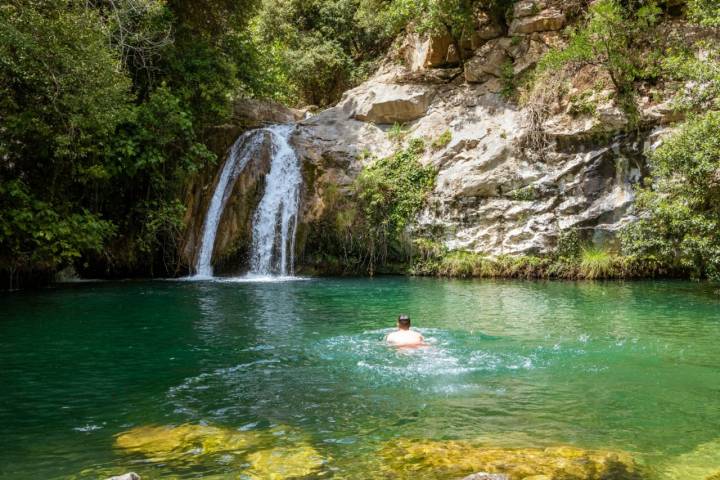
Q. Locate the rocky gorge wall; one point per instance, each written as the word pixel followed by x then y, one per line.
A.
pixel 510 181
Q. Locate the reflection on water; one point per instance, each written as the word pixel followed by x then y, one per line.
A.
pixel 626 367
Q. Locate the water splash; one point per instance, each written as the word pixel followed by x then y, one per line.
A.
pixel 275 220
pixel 240 154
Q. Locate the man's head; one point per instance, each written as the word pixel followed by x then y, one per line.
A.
pixel 403 322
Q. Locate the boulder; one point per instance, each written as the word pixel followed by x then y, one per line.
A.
pixel 487 62
pixel 127 476
pixel 547 20
pixel 385 103
pixel 251 113
pixel 527 8
pixel 423 52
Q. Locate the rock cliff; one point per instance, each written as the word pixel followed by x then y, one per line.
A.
pixel 512 175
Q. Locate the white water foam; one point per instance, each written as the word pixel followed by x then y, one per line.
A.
pixel 275 219
pixel 242 150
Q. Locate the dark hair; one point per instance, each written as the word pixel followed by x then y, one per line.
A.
pixel 404 322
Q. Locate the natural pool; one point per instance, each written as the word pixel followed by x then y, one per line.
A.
pixel 275 380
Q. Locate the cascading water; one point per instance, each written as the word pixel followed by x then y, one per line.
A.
pixel 240 153
pixel 275 220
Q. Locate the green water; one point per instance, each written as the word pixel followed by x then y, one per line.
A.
pixel 628 366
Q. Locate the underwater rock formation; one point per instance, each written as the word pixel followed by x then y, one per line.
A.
pixel 703 462
pixel 284 462
pixel 276 454
pixel 415 459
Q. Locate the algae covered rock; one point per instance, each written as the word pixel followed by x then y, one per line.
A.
pixel 277 453
pixel 411 459
pixel 284 463
pixel 172 442
pixel 703 462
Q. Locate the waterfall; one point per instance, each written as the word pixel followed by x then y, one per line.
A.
pixel 275 220
pixel 240 153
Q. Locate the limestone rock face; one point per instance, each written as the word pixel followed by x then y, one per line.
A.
pixel 423 52
pixel 496 192
pixel 493 194
pixel 390 103
pixel 546 20
pixel 487 62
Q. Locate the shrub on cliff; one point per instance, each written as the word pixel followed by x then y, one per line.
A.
pixel 680 212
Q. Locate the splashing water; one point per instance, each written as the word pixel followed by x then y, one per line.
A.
pixel 240 154
pixel 275 220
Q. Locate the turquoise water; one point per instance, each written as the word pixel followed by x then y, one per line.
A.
pixel 621 366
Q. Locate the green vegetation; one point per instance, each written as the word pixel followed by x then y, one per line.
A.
pixel 680 210
pixel 442 141
pixel 592 264
pixel 398 132
pixel 107 109
pixel 610 38
pixel 369 230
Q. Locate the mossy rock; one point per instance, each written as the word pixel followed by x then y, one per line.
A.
pixel 164 443
pixel 283 463
pixel 414 459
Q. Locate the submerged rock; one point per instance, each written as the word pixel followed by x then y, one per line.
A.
pixel 487 476
pixel 162 443
pixel 284 462
pixel 278 453
pixel 702 463
pixel 411 459
pixel 127 476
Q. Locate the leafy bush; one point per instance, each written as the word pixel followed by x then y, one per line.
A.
pixel 680 214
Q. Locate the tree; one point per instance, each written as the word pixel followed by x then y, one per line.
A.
pixel 62 95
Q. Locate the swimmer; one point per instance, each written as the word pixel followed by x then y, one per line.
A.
pixel 403 336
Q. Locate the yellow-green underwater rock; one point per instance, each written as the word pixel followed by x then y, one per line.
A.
pixel 283 463
pixel 702 463
pixel 415 459
pixel 172 442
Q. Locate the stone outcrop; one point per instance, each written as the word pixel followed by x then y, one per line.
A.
pixel 493 194
pixel 546 20
pixel 507 182
pixel 389 103
pixel 488 61
pixel 422 52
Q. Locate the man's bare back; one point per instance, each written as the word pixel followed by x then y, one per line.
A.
pixel 403 336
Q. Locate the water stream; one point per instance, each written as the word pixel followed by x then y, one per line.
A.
pixel 275 220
